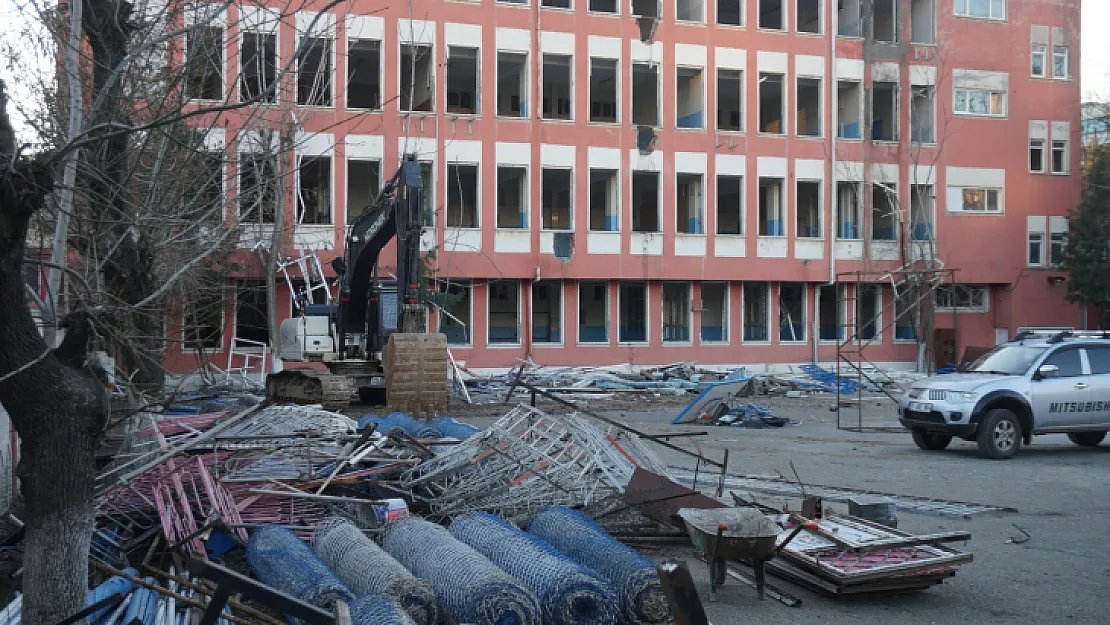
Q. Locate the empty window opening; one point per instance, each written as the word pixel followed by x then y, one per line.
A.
pixel 314 73
pixel 547 312
pixel 922 204
pixel 512 85
pixel 809 107
pixel 690 10
pixel 257 188
pixel 252 321
pixel 645 201
pixel 676 312
pixel 884 111
pixel 204 66
pixel 314 190
pixel 604 199
pixel 691 97
pixel 847 210
pixel 922 108
pixel 848 22
pixel 770 15
pixel 829 319
pixel 364 74
pixel 847 110
pixel 792 319
pixel 884 211
pixel 203 319
pixel 556 189
pixel 904 318
pixel 730 205
pixel 504 311
pixel 633 312
pixel 555 4
pixel 884 23
pixel 730 12
pixel 556 86
pixel 209 201
pixel 770 208
pixel 689 200
pixel 868 311
pixel 730 100
pixel 363 183
pixel 923 21
pixel 603 6
pixel 809 209
pixel 714 312
pixel 462 195
pixel 1036 156
pixel 770 103
pixel 1059 157
pixel 645 94
pixel 462 80
pixel 258 58
pixel 593 312
pixel 603 90
pixel 756 311
pixel 809 16
pixel 454 312
pixel 428 192
pixel 418 74
pixel 512 197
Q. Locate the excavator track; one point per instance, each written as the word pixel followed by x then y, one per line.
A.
pixel 309 386
pixel 416 373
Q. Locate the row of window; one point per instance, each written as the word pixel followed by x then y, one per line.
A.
pixel 1058 160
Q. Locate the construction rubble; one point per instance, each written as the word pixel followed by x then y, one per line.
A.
pixel 242 512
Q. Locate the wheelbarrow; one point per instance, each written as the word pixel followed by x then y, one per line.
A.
pixel 724 534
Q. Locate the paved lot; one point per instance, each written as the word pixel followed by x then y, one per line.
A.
pixel 1060 576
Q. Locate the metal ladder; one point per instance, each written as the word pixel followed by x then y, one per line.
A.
pixel 316 284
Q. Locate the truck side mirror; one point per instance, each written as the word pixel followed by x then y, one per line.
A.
pixel 1045 372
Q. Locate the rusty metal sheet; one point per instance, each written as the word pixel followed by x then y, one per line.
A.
pixel 660 499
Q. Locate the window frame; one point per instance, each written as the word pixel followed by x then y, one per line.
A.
pixel 1042 148
pixel 1033 54
pixel 999 201
pixel 1029 242
pixel 990 10
pixel 1067 59
pixel 1064 160
pixel 984 298
pixel 966 112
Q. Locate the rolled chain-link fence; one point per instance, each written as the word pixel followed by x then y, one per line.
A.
pixel 281 560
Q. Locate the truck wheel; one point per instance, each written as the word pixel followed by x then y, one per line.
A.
pixel 1087 439
pixel 999 435
pixel 930 442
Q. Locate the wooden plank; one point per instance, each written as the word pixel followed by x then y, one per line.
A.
pixel 682 596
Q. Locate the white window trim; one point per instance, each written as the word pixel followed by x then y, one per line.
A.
pixel 967 11
pixel 1067 63
pixel 929 89
pixel 744 312
pixel 716 106
pixel 1052 158
pixel 590 90
pixel 562 319
pixel 783 108
pixel 330 36
pixel 1028 241
pixel 725 312
pixel 435 92
pixel 990 94
pixel 1044 60
pixel 704 98
pixel 820 209
pixel 519 321
pixel 497 70
pixel 527 197
pixel 573 190
pixel 701 22
pixel 578 315
pixel 477 194
pixel 573 95
pixel 959 210
pixel 820 106
pixel 381 74
pixel 986 300
pixel 478 103
pixel 1045 156
pixel 704 198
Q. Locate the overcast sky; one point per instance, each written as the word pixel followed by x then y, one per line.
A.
pixel 1095 52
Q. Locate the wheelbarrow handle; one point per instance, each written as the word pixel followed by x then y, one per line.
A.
pixel 808 525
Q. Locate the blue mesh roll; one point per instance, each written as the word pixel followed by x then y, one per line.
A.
pixel 470 588
pixel 403 422
pixel 112 586
pixel 374 608
pixel 455 429
pixel 632 575
pixel 281 560
pixel 569 594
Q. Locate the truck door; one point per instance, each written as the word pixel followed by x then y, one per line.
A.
pixel 1062 401
pixel 1099 359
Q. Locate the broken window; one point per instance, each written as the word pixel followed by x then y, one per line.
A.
pixel 418 75
pixel 848 107
pixel 428 192
pixel 690 109
pixel 363 184
pixel 512 85
pixel 204 63
pixel 633 312
pixel 512 197
pixel 922 18
pixel 884 22
pixel 848 22
pixel 603 6
pixel 809 16
pixel 688 204
pixel 314 190
pixel 729 205
pixel 770 103
pixel 1059 156
pixel 884 211
pixel 847 210
pixel 809 107
pixel 1059 61
pixel 314 73
pixel 462 195
pixel 690 10
pixel 556 204
pixel 884 111
pixel 965 297
pixel 547 311
pixel 604 199
pixel 364 74
pixel 645 201
pixel 557 86
pixel 770 208
pixel 257 188
pixel 829 313
pixel 504 311
pixel 258 58
pixel 770 15
pixel 593 312
pixel 203 319
pixel 645 94
pixel 756 312
pixel 462 80
pixel 922 204
pixel 730 100
pixel 792 315
pixel 903 318
pixel 730 12
pixel 676 312
pixel 868 309
pixel 809 209
pixel 714 312
pixel 252 321
pixel 979 102
pixel 1036 156
pixel 209 200
pixel 921 114
pixel 603 90
pixel 454 312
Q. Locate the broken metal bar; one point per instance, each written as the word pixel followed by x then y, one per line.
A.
pixel 669 435
pixel 205 590
pixel 300 495
pixel 228 580
pixel 682 595
pixel 111 599
pixel 182 599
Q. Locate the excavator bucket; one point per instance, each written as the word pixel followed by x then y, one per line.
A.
pixel 416 380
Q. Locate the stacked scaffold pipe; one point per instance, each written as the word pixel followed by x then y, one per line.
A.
pixel 365 568
pixel 632 575
pixel 282 560
pixel 569 594
pixel 470 588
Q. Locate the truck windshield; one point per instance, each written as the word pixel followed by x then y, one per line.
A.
pixel 1007 359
